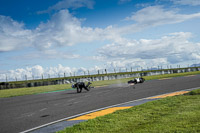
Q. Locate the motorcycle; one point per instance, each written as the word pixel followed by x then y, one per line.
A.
pixel 136 80
pixel 81 85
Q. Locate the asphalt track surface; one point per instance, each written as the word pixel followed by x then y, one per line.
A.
pixel 21 113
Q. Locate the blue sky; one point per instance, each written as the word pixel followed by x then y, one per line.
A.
pixel 74 36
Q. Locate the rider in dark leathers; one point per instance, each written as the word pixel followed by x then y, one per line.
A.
pixel 80 85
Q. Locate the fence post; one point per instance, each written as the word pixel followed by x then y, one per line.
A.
pixel 26 77
pixel 6 78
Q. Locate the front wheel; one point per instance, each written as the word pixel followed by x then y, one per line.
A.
pixel 78 90
pixel 142 80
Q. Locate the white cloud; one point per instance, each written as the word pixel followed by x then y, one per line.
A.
pixel 63 29
pixel 54 54
pixel 48 54
pixel 156 15
pixel 187 2
pixel 123 1
pixel 66 4
pixel 37 71
pixel 171 49
pixel 13 35
pixel 153 16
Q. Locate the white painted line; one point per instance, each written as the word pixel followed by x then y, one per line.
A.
pixel 71 100
pixel 192 89
pixel 87 95
pixel 103 92
pixel 43 109
pixel 56 104
pixel 26 115
pixel 76 102
pixel 69 104
pixel 74 116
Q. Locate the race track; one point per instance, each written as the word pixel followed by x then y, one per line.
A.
pixel 25 112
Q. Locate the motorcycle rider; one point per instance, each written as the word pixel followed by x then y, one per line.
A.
pixel 80 85
pixel 136 80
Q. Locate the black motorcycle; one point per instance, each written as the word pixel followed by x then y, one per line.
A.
pixel 80 85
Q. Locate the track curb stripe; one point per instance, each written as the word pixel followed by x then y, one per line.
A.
pixel 100 113
pixel 170 94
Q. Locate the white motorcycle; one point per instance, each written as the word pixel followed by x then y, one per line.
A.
pixel 136 80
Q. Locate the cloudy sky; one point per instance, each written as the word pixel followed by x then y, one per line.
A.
pixel 51 38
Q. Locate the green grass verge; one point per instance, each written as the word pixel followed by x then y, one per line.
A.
pixel 43 89
pixel 178 114
pixel 33 90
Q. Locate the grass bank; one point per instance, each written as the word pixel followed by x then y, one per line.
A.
pixel 43 89
pixel 33 90
pixel 171 114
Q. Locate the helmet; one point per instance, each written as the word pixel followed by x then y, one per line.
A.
pixel 73 86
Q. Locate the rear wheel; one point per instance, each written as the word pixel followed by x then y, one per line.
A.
pixel 89 87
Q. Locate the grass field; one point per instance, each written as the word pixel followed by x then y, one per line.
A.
pixel 43 89
pixel 177 114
